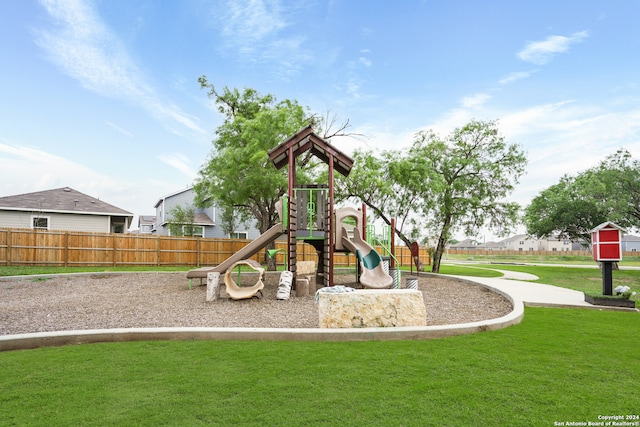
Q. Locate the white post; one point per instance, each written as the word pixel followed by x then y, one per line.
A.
pixel 213 286
pixel 284 287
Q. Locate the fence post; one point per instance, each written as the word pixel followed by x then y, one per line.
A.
pixel 9 248
pixel 66 249
pixel 198 250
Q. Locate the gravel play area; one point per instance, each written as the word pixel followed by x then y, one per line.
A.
pixel 128 300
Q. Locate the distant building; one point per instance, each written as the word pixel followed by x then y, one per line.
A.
pixel 205 221
pixel 492 246
pixel 62 209
pixel 523 243
pixel 631 243
pixel 146 224
pixel 465 245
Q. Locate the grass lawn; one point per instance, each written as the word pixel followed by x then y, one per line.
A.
pixel 559 258
pixel 587 280
pixel 558 365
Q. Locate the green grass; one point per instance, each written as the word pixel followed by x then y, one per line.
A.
pixel 536 259
pixel 557 365
pixel 471 270
pixel 587 280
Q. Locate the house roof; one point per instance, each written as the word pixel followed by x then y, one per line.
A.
pixel 305 140
pixel 175 193
pixel 491 245
pixel 146 219
pixel 608 225
pixel 466 243
pixel 62 200
pixel 202 219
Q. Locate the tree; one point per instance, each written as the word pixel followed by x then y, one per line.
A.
pixel 181 222
pixel 239 173
pixel 571 208
pixel 442 185
pixel 384 184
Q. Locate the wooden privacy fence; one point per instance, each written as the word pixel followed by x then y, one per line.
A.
pixel 26 247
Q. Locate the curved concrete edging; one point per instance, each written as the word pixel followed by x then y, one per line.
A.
pixel 61 338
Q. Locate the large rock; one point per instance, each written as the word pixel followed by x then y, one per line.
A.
pixel 372 308
pixel 304 268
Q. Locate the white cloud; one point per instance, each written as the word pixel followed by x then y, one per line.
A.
pixel 35 169
pixel 365 61
pixel 87 50
pixel 515 76
pixel 253 30
pixel 26 169
pixel 475 100
pixel 541 52
pixel 119 129
pixel 253 20
pixel 180 162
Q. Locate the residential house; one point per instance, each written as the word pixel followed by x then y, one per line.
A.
pixel 204 222
pixel 146 223
pixel 465 245
pixel 521 243
pixel 630 243
pixel 492 246
pixel 556 244
pixel 62 209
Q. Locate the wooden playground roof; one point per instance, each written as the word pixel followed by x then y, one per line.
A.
pixel 305 140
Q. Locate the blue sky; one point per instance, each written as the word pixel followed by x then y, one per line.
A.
pixel 102 96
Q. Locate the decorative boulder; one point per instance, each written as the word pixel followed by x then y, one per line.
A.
pixel 372 308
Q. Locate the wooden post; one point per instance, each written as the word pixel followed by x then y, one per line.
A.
pixel 607 278
pixel 9 248
pixel 332 225
pixel 66 249
pixel 392 243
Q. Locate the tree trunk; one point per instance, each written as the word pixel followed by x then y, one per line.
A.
pixel 265 223
pixel 442 242
pixel 270 261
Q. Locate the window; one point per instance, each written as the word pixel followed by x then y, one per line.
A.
pixel 239 235
pixel 40 222
pixel 193 230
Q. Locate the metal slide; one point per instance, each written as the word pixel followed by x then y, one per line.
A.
pixel 373 274
pixel 251 249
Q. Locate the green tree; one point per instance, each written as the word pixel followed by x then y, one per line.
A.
pixel 181 222
pixel 239 173
pixel 442 185
pixel 576 204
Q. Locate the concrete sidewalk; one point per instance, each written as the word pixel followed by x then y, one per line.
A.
pixel 533 294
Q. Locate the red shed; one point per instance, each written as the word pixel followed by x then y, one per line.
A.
pixel 606 241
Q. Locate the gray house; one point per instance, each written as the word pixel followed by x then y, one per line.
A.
pixel 62 209
pixel 631 243
pixel 205 221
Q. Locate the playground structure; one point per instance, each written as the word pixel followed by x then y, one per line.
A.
pixel 307 213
